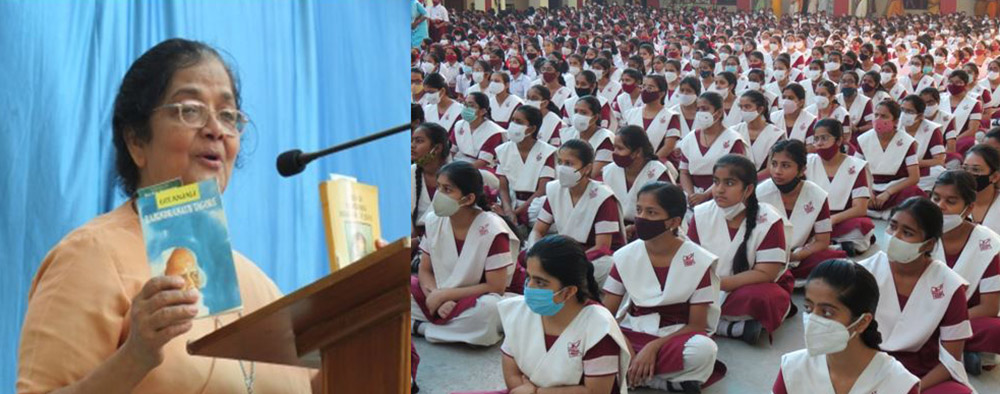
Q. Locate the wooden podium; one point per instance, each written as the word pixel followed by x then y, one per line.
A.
pixel 354 325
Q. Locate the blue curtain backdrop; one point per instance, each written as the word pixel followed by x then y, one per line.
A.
pixel 313 73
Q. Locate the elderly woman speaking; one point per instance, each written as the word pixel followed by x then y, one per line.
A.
pixel 96 321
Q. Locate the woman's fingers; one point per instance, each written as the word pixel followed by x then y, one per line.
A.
pixel 158 284
pixel 165 334
pixel 171 297
pixel 168 316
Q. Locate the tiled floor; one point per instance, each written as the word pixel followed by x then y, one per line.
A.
pixel 752 369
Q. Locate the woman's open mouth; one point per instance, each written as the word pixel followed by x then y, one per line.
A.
pixel 210 159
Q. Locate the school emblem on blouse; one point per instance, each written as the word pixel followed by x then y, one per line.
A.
pixel 937 291
pixel 484 229
pixel 809 207
pixel 761 219
pixel 593 193
pixel 851 171
pixel 461 131
pixel 985 245
pixel 725 145
pixel 574 349
pixel 651 173
pixel 663 120
pixel 539 157
pixel 689 260
pixel 899 142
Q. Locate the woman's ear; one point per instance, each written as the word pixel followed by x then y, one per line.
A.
pixel 863 322
pixel 568 292
pixel 135 148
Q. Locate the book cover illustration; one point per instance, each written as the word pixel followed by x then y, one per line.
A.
pixel 186 235
pixel 350 216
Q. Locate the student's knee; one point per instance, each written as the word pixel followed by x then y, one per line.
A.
pixel 700 350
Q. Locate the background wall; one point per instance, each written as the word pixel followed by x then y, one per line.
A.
pixel 314 73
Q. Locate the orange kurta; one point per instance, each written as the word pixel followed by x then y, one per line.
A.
pixel 78 308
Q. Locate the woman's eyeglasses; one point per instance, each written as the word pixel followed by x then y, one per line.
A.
pixel 195 114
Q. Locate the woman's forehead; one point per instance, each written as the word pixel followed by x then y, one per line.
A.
pixel 207 80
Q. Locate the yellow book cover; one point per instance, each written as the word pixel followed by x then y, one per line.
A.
pixel 350 215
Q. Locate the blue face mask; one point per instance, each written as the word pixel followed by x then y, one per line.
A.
pixel 731 69
pixel 469 114
pixel 540 300
pixel 928 70
pixel 466 69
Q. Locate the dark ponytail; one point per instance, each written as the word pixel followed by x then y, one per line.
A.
pixel 546 94
pixel 857 289
pixel 564 258
pixel 469 180
pixel 758 99
pixel 746 171
pixel 438 136
pixel 483 102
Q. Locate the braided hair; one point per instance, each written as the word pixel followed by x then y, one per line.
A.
pixel 746 172
pixel 439 137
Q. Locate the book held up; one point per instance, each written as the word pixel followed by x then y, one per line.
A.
pixel 186 235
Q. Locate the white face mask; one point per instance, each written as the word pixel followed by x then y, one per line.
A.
pixel 686 99
pixel 825 336
pixel 821 102
pixel 534 103
pixel 899 250
pixel 930 111
pixel 598 73
pixel 670 76
pixel 952 222
pixel 567 176
pixel 789 106
pixel 573 70
pixel 907 119
pixel 749 116
pixel 427 67
pixel 886 76
pixel 444 205
pixel 812 74
pixel 581 122
pixel 993 75
pixel 486 58
pixel 753 86
pixel 832 66
pixel 733 210
pixel 477 76
pixel 495 88
pixel 780 74
pixel 567 51
pixel 516 132
pixel 433 98
pixel 722 92
pixel 702 120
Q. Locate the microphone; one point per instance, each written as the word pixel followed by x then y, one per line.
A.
pixel 294 161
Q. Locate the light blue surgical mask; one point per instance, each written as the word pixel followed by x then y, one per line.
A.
pixel 540 300
pixel 469 114
pixel 731 69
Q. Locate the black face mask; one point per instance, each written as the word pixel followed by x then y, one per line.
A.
pixel 788 187
pixel 584 92
pixel 982 182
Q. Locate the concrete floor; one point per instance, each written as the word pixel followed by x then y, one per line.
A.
pixel 751 369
